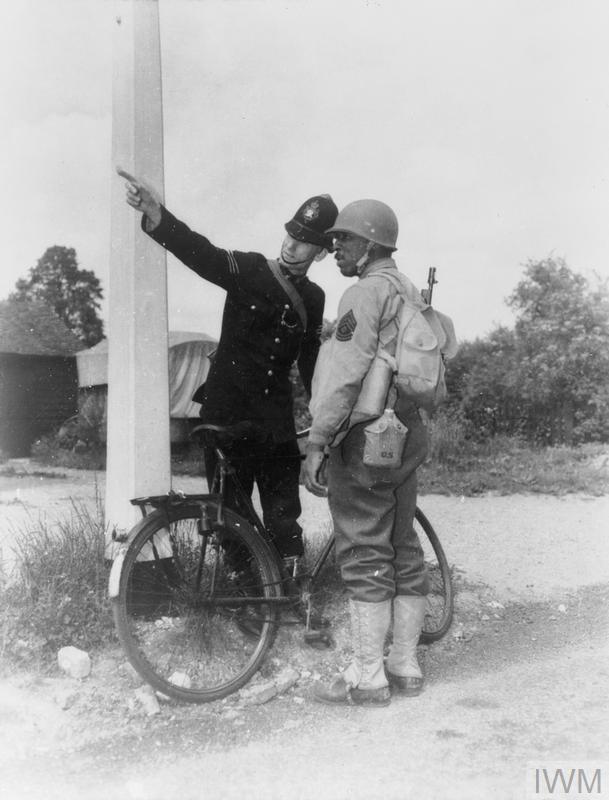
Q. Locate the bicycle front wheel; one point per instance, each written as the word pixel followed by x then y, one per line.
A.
pixel 440 601
pixel 194 610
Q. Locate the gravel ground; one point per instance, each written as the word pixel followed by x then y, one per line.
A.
pixel 506 540
pixel 519 683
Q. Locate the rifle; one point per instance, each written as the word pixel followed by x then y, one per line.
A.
pixel 426 294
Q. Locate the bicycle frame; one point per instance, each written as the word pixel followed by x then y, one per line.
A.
pixel 223 472
pixel 224 469
pixel 187 607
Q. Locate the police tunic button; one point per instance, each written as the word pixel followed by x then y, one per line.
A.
pixel 270 372
pixel 277 341
pixel 272 358
pixel 253 308
pixel 266 391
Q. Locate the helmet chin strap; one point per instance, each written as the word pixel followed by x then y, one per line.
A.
pixel 364 259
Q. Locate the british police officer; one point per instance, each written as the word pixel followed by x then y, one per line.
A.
pixel 273 316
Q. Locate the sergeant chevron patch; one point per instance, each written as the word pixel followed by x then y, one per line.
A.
pixel 346 326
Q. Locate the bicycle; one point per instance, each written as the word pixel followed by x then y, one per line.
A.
pixel 197 590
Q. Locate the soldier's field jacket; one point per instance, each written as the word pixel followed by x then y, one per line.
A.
pixel 365 309
pixel 262 334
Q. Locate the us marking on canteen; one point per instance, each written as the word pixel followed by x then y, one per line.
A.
pixel 385 440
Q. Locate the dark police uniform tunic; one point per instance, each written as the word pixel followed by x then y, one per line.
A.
pixel 249 379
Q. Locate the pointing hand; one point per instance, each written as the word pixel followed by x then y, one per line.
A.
pixel 141 197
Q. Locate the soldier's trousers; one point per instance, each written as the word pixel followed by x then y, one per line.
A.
pixel 373 508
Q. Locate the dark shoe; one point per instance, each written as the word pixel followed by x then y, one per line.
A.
pixel 249 619
pixel 296 575
pixel 250 622
pixel 406 685
pixel 339 693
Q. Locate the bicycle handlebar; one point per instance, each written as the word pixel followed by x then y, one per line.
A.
pixel 236 430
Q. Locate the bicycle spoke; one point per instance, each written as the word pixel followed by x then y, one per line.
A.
pixel 192 614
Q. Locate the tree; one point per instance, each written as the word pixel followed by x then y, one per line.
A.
pixel 562 333
pixel 481 380
pixel 548 378
pixel 74 294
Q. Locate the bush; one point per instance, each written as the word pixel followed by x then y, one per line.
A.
pixel 79 442
pixel 448 435
pixel 47 450
pixel 59 595
pixel 548 378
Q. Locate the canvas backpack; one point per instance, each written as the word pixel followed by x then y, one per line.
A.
pixel 425 339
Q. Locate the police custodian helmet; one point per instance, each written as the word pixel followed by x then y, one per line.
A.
pixel 312 220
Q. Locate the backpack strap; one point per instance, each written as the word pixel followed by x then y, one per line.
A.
pixel 290 290
pixel 402 291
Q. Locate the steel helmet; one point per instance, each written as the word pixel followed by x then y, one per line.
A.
pixel 370 219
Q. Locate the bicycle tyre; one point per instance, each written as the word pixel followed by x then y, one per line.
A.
pixel 440 600
pixel 181 612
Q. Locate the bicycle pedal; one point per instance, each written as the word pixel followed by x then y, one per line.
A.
pixel 318 640
pixel 291 616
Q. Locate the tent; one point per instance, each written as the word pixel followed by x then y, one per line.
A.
pixel 188 367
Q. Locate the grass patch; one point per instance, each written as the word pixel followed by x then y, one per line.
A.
pixel 505 465
pixel 10 471
pixel 49 451
pixel 58 596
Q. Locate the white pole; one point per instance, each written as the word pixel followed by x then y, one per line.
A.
pixel 138 454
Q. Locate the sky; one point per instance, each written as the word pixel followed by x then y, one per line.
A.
pixel 484 124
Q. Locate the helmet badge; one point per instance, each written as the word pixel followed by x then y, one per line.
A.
pixel 311 211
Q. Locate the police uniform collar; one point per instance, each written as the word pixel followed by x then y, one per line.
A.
pixel 295 279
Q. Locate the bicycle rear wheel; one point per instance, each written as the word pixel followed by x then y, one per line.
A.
pixel 440 599
pixel 192 611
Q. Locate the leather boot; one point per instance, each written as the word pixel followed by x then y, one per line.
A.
pixel 364 681
pixel 402 668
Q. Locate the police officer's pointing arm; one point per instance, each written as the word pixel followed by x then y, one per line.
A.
pixel 196 251
pixel 142 198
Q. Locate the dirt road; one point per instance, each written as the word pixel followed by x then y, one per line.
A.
pixel 519 685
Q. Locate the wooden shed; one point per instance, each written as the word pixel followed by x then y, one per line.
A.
pixel 38 376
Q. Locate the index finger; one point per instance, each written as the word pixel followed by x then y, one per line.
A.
pixel 126 175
